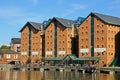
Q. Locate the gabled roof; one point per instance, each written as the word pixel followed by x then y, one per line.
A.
pixel 65 22
pixel 33 24
pixel 4 51
pixel 105 18
pixel 108 19
pixel 15 40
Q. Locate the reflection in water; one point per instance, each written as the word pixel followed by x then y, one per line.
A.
pixel 55 75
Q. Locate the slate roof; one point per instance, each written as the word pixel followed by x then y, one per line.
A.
pixel 65 22
pixel 15 40
pixel 33 24
pixel 5 51
pixel 108 19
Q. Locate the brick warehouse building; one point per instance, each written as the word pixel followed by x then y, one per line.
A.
pixel 32 42
pixel 57 38
pixel 99 36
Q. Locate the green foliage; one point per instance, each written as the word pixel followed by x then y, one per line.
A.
pixel 43 59
pixel 4 47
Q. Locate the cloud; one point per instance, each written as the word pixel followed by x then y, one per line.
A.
pixel 74 8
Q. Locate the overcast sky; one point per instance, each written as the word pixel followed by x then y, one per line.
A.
pixel 15 13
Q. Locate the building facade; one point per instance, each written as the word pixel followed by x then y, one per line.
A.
pixel 31 42
pixel 98 37
pixel 15 44
pixel 58 38
pixel 9 56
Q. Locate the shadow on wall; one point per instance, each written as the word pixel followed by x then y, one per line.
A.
pixel 117 48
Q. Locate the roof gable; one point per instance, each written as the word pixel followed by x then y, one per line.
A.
pixel 108 19
pixel 105 18
pixel 8 52
pixel 65 22
pixel 33 24
pixel 15 40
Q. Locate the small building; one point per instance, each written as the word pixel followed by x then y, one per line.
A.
pixel 15 44
pixel 9 56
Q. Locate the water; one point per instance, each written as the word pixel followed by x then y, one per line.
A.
pixel 55 75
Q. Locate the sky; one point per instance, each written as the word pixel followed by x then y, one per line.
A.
pixel 15 13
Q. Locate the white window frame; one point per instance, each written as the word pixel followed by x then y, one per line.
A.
pixel 8 56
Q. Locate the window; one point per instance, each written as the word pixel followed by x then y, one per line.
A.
pixel 102 25
pixel 86 53
pixel 102 46
pixel 97 38
pixel 82 39
pixel 102 38
pixel 102 53
pixel 97 46
pixel 97 26
pixel 111 46
pixel 86 46
pixel 81 46
pixel 102 31
pixel 103 62
pixel 15 56
pixel 8 56
pixel 97 31
pixel 98 54
pixel 59 48
pixel 82 54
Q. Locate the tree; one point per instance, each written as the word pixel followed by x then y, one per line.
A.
pixel 4 47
